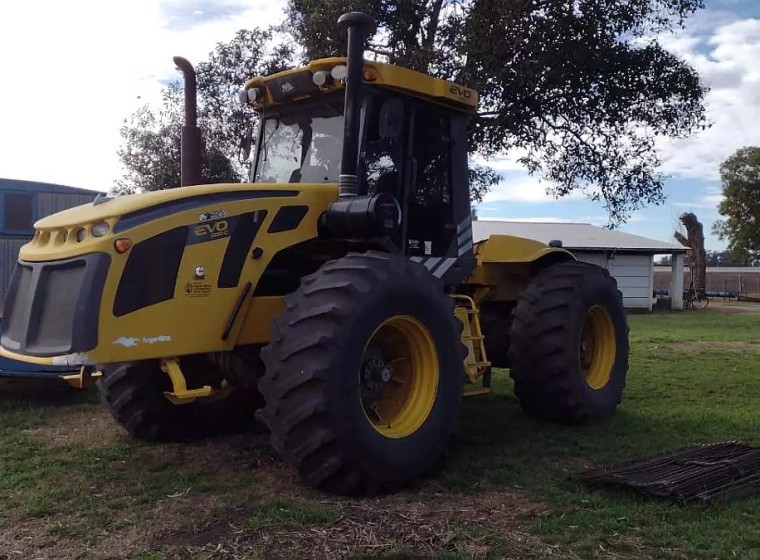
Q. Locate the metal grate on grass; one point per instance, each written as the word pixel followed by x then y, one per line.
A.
pixel 700 474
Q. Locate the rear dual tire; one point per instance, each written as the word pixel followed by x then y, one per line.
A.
pixel 569 344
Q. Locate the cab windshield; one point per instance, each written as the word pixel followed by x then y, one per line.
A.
pixel 301 143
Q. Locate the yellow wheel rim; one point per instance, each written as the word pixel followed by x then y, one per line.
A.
pixel 598 347
pixel 399 377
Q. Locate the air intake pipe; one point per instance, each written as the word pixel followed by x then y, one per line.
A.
pixel 191 134
pixel 358 26
pixel 355 216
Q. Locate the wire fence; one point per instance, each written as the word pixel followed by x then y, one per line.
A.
pixel 730 283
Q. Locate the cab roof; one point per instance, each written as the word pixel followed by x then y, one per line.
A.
pixel 298 83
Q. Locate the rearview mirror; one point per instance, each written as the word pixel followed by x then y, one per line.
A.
pixel 246 145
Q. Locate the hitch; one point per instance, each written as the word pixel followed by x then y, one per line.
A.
pixel 83 379
pixel 180 394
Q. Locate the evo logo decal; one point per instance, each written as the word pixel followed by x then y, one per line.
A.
pixel 210 231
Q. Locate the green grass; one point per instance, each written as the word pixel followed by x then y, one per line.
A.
pixel 689 382
pixel 290 514
pixel 676 395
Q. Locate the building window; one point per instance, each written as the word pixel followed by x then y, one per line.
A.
pixel 18 213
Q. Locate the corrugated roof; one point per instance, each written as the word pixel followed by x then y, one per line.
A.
pixel 573 236
pixel 18 184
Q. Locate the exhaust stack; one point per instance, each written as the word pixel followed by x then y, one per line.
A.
pixel 358 26
pixel 191 134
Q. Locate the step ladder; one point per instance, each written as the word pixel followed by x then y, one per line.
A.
pixel 476 364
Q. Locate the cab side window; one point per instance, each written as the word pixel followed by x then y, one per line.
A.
pixel 431 217
pixel 383 153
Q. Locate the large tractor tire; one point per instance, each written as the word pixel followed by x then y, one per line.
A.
pixel 364 375
pixel 569 344
pixel 134 395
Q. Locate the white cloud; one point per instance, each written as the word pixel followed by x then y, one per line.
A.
pixel 525 188
pixel 74 70
pixel 709 199
pixel 530 219
pixel 503 163
pixel 726 55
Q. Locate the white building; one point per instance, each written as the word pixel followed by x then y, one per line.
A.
pixel 629 258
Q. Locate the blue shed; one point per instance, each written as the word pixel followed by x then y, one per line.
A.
pixel 22 203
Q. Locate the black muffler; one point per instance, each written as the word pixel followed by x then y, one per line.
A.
pixel 358 26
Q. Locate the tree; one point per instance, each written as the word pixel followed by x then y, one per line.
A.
pixel 694 240
pixel 740 175
pixel 580 87
pixel 150 151
pixel 722 258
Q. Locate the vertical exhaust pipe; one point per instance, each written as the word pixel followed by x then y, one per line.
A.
pixel 191 134
pixel 358 26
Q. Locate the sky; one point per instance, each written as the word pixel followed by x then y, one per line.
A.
pixel 79 68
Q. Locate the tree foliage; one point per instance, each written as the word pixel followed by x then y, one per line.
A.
pixel 740 207
pixel 150 151
pixel 580 88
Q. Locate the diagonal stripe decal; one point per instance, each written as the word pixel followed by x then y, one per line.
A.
pixel 431 262
pixel 463 224
pixel 464 237
pixel 445 266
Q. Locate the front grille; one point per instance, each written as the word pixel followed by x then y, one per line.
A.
pixel 52 308
pixel 16 298
pixel 58 290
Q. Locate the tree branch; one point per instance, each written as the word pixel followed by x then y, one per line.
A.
pixel 432 26
pixel 681 239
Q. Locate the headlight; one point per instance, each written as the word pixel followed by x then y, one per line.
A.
pixel 100 229
pixel 322 79
pixel 339 72
pixel 81 234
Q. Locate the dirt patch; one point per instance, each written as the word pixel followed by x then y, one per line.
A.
pixel 90 427
pixel 205 526
pixel 239 452
pixel 732 307
pixel 430 523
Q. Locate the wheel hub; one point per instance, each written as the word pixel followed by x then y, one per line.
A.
pixel 375 374
pixel 398 377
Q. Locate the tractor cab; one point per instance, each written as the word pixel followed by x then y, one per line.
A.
pixel 406 148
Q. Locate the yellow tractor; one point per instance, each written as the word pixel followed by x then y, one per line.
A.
pixel 337 295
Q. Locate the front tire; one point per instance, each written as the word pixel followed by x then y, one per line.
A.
pixel 364 375
pixel 569 344
pixel 133 395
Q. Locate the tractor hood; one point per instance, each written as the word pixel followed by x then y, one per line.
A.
pixel 120 209
pixel 153 274
pixel 95 226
